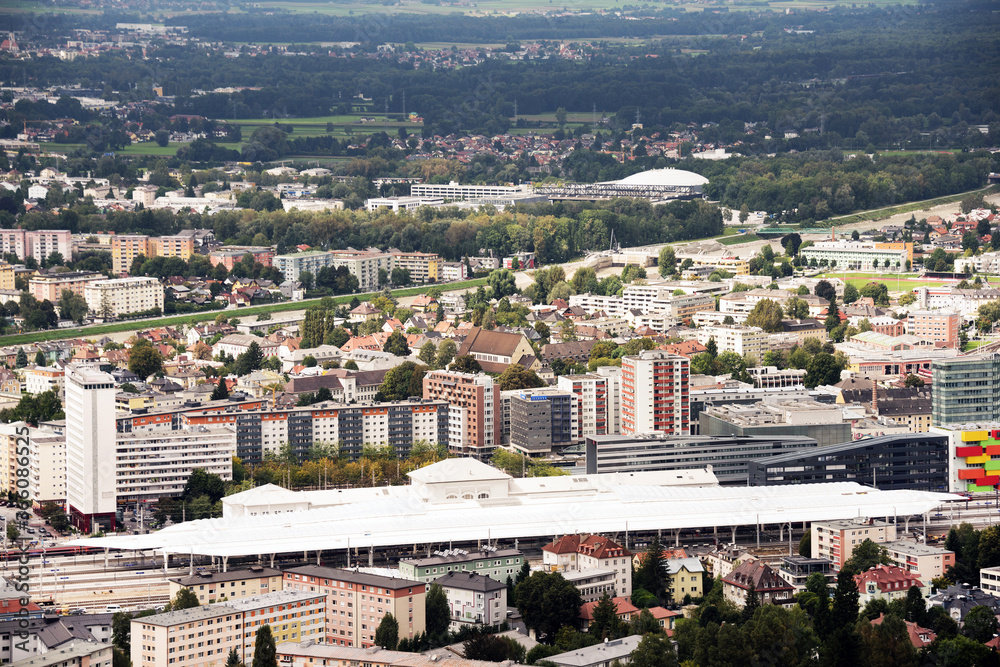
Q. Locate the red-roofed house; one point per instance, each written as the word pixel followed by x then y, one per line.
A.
pixel 625 611
pixel 921 637
pixel 665 618
pixel 886 582
pixel 770 588
pixel 593 552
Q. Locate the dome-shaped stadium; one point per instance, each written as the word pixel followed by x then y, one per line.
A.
pixel 665 178
pixel 656 185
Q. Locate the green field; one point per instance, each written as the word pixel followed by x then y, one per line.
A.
pixel 905 282
pixel 151 148
pixel 736 239
pixel 97 330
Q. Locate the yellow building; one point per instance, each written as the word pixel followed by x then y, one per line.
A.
pixel 172 246
pixel 125 248
pixel 211 587
pixel 684 576
pixel 6 276
pixel 423 266
pixel 203 636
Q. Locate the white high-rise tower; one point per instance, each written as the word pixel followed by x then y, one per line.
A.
pixel 90 447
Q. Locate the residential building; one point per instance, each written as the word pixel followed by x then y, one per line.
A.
pixel 229 256
pixel 860 255
pixel 173 246
pixel 495 350
pixel 923 561
pixel 292 266
pixel 599 655
pixel 145 195
pixel 40 379
pixel 989 580
pixel 7 277
pixel 474 423
pixel 796 570
pixel 365 265
pixel 157 464
pixel 885 582
pixel 23 638
pixel 590 552
pixel 356 602
pixel 624 610
pixel 541 420
pixel 595 402
pixel 752 341
pixel 684 577
pixel 474 600
pixel 73 654
pixel 919 637
pixel 123 296
pixel 777 416
pixel 125 248
pixel 965 389
pixel 47 467
pixel 203 636
pixel 423 266
pixel 497 564
pixel 591 584
pixel 236 344
pixel 729 456
pixel 901 461
pixel 212 587
pixel 261 428
pixel 960 599
pixel 38 243
pixel 771 377
pixel 90 448
pixel 655 393
pixel 905 406
pixel 837 540
pixel 307 654
pixel 770 588
pixel 50 286
pixel 940 327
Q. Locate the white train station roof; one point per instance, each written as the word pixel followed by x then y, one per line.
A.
pixel 461 500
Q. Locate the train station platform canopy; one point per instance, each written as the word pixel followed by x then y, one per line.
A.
pixel 462 500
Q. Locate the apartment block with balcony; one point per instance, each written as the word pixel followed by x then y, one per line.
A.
pixel 423 266
pixel 836 540
pixel 212 587
pixel 474 427
pixel 203 636
pixel 356 602
pixel 125 248
pixel 50 286
pixel 655 393
pixel 494 563
pixel 474 599
pixel 122 296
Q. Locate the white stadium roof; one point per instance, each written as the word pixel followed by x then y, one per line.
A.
pixel 664 178
pixel 535 507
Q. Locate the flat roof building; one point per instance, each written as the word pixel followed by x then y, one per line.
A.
pixel 729 456
pixel 965 389
pixel 903 461
pixel 775 416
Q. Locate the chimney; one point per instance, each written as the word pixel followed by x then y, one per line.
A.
pixel 875 397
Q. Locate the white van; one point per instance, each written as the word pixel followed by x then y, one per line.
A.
pixel 114 609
